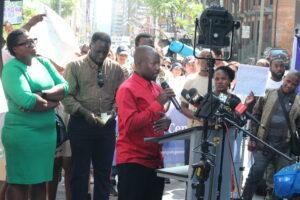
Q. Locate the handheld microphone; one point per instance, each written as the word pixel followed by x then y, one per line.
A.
pixel 165 85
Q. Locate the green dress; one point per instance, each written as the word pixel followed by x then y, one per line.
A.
pixel 29 138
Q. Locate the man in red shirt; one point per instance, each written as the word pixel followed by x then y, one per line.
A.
pixel 140 104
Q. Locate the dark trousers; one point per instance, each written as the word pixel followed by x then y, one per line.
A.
pixel 137 182
pixel 261 161
pixel 91 144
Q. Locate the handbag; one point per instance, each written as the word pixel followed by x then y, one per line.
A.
pixel 61 131
pixel 295 139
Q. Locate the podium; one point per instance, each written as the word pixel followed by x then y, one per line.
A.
pixel 185 173
pixel 181 173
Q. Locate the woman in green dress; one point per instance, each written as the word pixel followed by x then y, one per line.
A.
pixel 33 89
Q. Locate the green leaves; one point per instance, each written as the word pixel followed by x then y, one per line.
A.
pixel 180 14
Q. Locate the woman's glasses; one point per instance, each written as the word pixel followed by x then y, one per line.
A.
pixel 100 78
pixel 28 43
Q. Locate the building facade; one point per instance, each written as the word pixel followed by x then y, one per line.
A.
pixel 280 21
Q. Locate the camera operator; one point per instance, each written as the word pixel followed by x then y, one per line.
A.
pixel 269 110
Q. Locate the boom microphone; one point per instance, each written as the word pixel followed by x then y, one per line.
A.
pixel 165 85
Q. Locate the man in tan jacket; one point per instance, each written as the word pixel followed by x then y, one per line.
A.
pixel 275 132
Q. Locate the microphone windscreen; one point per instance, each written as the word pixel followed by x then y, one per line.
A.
pixel 185 93
pixel 164 85
pixel 233 102
pixel 193 92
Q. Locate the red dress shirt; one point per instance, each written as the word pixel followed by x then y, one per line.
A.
pixel 137 110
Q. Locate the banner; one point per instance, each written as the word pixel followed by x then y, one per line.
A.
pixel 174 151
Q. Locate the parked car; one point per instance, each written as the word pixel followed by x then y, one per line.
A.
pixel 271 53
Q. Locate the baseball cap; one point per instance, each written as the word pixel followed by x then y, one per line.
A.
pixel 176 65
pixel 122 50
pixel 188 60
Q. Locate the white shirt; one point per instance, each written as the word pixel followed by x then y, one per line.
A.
pixel 271 84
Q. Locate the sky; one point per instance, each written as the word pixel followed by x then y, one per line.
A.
pixel 104 15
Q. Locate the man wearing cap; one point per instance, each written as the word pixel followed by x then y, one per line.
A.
pixel 189 65
pixel 177 69
pixel 277 70
pixel 122 58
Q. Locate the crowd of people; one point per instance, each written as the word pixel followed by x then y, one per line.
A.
pixel 110 101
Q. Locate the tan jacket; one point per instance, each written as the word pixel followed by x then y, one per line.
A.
pixel 264 109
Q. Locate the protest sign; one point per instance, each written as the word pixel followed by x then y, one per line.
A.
pixel 251 78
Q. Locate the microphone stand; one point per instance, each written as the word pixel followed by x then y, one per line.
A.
pixel 221 164
pixel 256 138
pixel 202 169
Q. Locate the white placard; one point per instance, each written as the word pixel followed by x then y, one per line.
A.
pixel 251 78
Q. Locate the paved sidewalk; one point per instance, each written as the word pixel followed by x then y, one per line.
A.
pixel 173 191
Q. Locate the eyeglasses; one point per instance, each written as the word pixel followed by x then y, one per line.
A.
pixel 100 78
pixel 28 43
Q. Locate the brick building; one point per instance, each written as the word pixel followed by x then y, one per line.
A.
pixel 281 17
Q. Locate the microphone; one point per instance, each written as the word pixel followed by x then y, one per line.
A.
pixel 196 98
pixel 165 85
pixel 241 109
pixel 185 94
pixel 192 96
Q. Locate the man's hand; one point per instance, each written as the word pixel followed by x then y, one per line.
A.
pixel 33 21
pixel 165 96
pixel 249 99
pixel 36 19
pixel 162 124
pixel 90 117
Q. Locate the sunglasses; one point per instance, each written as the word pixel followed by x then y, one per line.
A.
pixel 168 66
pixel 100 78
pixel 28 43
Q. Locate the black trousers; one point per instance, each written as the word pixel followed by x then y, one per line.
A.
pixel 91 144
pixel 137 182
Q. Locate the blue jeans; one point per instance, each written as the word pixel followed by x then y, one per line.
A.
pixel 261 161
